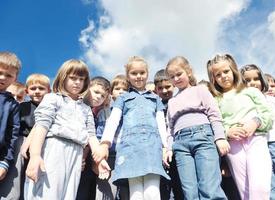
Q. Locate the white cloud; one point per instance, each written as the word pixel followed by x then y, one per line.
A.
pixel 261 46
pixel 271 23
pixel 157 30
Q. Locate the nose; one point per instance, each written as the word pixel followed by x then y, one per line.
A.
pixel 164 90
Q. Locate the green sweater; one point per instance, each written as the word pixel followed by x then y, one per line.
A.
pixel 244 105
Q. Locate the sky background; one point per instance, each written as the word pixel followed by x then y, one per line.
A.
pixel 105 33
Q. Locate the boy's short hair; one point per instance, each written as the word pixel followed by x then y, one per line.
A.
pixel 160 76
pixel 8 59
pixel 38 78
pixel 100 80
pixel 120 79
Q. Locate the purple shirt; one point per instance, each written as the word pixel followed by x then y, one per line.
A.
pixel 194 106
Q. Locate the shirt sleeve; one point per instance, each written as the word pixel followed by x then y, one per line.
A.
pixel 213 114
pixel 13 126
pixel 264 112
pixel 111 125
pixel 90 123
pixel 46 111
pixel 162 127
pixel 160 106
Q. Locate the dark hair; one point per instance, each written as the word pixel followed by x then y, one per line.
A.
pixel 262 78
pixel 100 80
pixel 160 76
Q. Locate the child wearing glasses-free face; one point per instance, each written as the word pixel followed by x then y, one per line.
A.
pixel 247 119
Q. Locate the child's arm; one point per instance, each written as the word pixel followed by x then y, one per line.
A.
pixel 26 145
pixel 108 134
pixel 36 162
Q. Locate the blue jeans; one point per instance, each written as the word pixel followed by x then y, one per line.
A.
pixel 271 146
pixel 198 163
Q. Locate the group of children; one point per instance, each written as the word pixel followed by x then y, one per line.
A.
pixel 124 139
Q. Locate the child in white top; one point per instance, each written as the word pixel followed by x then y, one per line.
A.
pixel 63 126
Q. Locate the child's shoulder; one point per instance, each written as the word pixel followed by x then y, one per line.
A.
pixel 7 99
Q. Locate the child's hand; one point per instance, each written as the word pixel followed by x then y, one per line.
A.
pixel 236 132
pixel 103 170
pixel 100 153
pixel 250 127
pixel 24 149
pixel 3 173
pixel 167 157
pixel 35 163
pixel 223 146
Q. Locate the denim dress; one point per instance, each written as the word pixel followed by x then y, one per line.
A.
pixel 139 150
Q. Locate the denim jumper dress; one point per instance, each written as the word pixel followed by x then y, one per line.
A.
pixel 139 150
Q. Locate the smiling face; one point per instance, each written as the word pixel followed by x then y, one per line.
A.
pixel 178 76
pixel 7 77
pixel 138 75
pixel 165 89
pixel 74 85
pixel 223 75
pixel 252 79
pixel 37 91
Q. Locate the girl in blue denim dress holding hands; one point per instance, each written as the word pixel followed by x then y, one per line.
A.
pixel 139 149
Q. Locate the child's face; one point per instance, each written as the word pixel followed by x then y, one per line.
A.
pixel 7 76
pixel 178 76
pixel 138 75
pixel 223 75
pixel 98 95
pixel 74 85
pixel 37 91
pixel 118 90
pixel 165 90
pixel 252 79
pixel 18 93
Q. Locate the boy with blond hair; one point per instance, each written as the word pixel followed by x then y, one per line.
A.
pixel 9 122
pixel 37 86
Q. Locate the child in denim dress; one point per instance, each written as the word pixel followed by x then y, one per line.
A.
pixel 195 124
pixel 139 150
pixel 63 126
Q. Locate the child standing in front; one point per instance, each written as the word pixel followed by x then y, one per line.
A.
pixel 254 77
pixel 139 151
pixel 196 126
pixel 9 124
pixel 246 118
pixel 63 126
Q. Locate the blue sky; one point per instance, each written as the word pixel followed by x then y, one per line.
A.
pixel 105 33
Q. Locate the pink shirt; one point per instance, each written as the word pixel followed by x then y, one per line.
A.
pixel 194 106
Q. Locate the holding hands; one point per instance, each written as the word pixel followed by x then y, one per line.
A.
pixel 244 129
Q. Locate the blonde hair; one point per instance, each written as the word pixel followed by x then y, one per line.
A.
pixel 184 64
pixel 119 79
pixel 214 87
pixel 134 59
pixel 72 66
pixel 8 59
pixel 38 78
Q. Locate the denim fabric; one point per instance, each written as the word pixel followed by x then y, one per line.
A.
pixel 139 150
pixel 198 163
pixel 271 146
